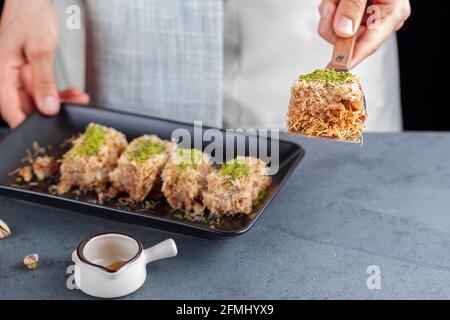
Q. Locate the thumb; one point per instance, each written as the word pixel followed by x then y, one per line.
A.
pixel 43 83
pixel 348 17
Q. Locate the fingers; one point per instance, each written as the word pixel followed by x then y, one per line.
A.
pixel 327 11
pixel 26 103
pixel 26 78
pixel 10 109
pixel 399 26
pixel 371 39
pixel 73 95
pixel 347 18
pixel 43 82
pixel 340 18
pixel 10 105
pixel 402 14
pixel 349 14
pixel 368 42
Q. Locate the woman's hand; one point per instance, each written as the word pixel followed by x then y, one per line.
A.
pixel 28 41
pixel 344 18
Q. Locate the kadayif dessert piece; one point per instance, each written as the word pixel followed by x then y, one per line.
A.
pixel 234 188
pixel 92 157
pixel 184 180
pixel 327 104
pixel 140 166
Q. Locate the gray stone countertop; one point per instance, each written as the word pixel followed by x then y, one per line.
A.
pixel 345 208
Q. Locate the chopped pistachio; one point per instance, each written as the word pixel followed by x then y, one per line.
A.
pixel 74 256
pixel 31 261
pixel 326 75
pixel 4 230
pixel 189 158
pixel 235 170
pixel 262 196
pixel 178 216
pixel 144 150
pixel 187 215
pixel 93 138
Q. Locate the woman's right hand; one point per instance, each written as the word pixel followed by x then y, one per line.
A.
pixel 28 41
pixel 345 18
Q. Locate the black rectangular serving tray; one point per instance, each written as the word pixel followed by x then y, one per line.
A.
pixel 73 119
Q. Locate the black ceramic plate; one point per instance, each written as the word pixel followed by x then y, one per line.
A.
pixel 156 213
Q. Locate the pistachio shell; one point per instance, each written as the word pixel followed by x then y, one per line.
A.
pixel 31 261
pixel 4 229
pixel 74 256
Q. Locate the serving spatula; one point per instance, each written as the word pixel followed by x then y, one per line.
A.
pixel 343 53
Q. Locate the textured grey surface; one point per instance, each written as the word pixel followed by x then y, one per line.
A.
pixel 344 208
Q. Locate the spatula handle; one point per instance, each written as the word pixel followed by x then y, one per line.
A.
pixel 343 53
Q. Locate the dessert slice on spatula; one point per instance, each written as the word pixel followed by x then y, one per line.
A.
pixel 329 103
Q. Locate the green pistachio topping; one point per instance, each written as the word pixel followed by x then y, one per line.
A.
pixel 327 75
pixel 262 196
pixel 187 215
pixel 189 158
pixel 144 150
pixel 93 138
pixel 235 170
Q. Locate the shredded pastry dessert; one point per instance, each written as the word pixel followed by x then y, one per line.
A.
pixel 184 180
pixel 236 186
pixel 44 167
pixel 327 104
pixel 102 162
pixel 93 156
pixel 140 166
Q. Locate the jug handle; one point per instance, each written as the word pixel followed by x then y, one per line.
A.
pixel 162 250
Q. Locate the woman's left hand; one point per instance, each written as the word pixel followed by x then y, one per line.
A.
pixel 344 18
